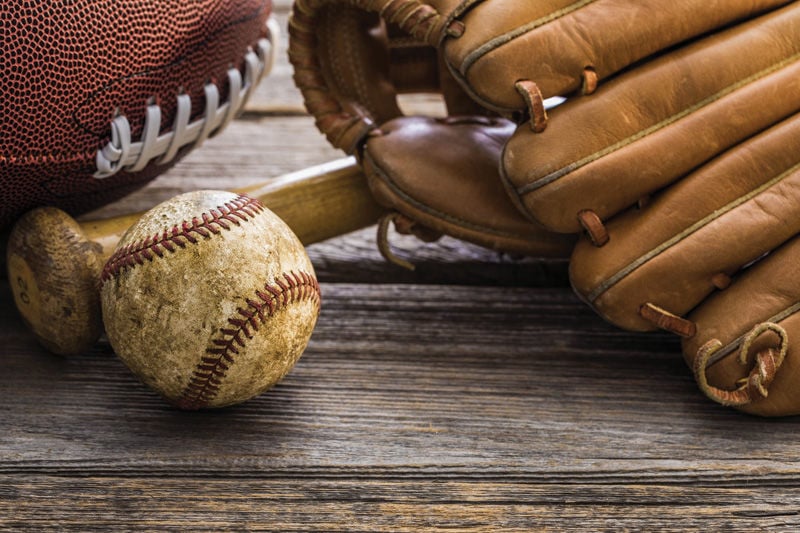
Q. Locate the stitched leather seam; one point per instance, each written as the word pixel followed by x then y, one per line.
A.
pixel 47 157
pixel 81 157
pixel 501 40
pixel 700 224
pixel 206 380
pixel 558 174
pixel 362 95
pixel 233 213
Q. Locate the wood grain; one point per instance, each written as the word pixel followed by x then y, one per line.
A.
pixel 286 504
pixel 415 407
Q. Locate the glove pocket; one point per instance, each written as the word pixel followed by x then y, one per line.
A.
pixel 441 176
pixel 664 259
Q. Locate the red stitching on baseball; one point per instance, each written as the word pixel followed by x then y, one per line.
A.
pixel 233 213
pixel 207 377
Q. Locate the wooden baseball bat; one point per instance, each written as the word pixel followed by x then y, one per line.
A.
pixel 54 262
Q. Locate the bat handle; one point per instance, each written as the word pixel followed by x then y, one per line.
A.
pixel 322 201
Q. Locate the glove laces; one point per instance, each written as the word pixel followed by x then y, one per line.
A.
pixel 756 385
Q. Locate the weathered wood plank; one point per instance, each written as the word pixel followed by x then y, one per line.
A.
pixel 404 381
pixel 355 258
pixel 279 504
pixel 391 422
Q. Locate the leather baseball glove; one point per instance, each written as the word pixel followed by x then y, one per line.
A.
pixel 675 153
pixel 351 63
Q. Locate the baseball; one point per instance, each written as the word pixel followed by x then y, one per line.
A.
pixel 209 299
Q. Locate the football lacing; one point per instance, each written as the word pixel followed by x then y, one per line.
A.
pixel 122 153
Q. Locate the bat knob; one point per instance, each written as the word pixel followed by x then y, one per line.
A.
pixel 53 270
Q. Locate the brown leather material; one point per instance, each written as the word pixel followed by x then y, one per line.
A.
pixel 678 151
pixel 491 45
pixel 350 66
pixel 551 42
pixel 766 292
pixel 665 320
pixel 70 69
pixel 722 217
pixel 455 189
pixel 350 62
pixel 594 227
pixel 345 82
pixel 656 123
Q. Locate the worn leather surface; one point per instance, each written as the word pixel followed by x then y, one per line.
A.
pixel 719 188
pixel 551 42
pixel 656 123
pixel 455 189
pixel 724 218
pixel 766 290
pixel 352 58
pixel 725 215
pixel 351 65
pixel 488 46
pixel 684 156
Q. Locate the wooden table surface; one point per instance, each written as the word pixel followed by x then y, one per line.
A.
pixel 476 393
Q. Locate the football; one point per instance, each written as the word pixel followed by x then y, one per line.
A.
pixel 100 96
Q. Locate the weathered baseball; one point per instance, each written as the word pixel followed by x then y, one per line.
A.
pixel 210 299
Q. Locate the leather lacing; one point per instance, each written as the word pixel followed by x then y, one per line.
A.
pixel 753 387
pixel 667 321
pixel 404 226
pixel 123 153
pixel 595 229
pixel 590 81
pixel 535 101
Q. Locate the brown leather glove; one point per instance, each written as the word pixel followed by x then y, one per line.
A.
pixel 496 58
pixel 685 173
pixel 436 175
pixel 655 91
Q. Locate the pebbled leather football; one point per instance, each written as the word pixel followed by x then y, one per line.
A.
pixel 99 96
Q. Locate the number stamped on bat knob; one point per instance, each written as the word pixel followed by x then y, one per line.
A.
pixel 25 290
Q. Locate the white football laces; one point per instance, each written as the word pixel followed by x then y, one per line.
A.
pixel 123 153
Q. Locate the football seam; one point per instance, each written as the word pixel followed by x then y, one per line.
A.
pixel 149 71
pixel 73 156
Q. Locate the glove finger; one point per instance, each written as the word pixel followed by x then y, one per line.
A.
pixel 767 292
pixel 455 189
pixel 491 45
pixel 552 42
pixel 664 259
pixel 654 124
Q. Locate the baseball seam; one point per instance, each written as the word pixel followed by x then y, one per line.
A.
pixel 207 377
pixel 233 213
